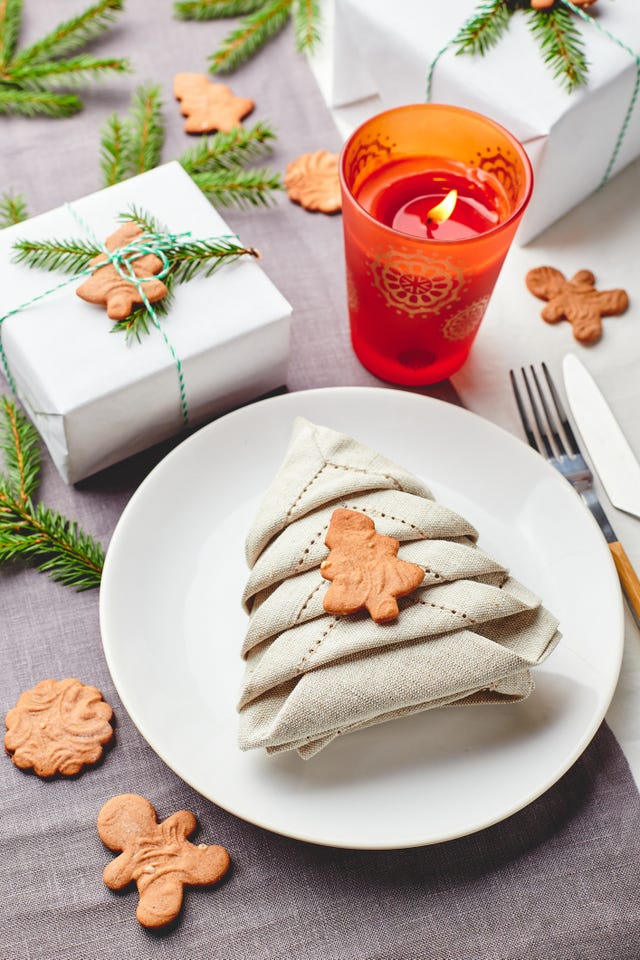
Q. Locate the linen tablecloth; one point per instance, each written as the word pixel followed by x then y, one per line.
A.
pixel 557 881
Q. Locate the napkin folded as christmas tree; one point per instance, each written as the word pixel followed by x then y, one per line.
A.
pixel 468 634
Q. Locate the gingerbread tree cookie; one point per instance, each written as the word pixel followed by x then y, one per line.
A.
pixel 365 568
pixel 106 286
pixel 575 300
pixel 208 106
pixel 59 726
pixel 157 856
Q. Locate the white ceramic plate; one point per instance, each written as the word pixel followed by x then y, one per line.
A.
pixel 172 627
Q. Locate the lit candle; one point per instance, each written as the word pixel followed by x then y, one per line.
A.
pixel 432 197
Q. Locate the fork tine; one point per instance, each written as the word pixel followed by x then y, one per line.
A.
pixel 564 420
pixel 524 417
pixel 536 415
pixel 555 433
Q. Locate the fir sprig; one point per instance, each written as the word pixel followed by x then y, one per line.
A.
pixel 560 40
pixel 186 259
pixel 240 188
pixel 13 208
pixel 218 163
pixel 228 150
pixel 484 28
pixel 561 45
pixel 64 256
pixel 30 78
pixel 33 532
pixel 265 19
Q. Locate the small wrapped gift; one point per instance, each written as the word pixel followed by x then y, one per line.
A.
pixel 96 398
pixel 576 141
pixel 469 633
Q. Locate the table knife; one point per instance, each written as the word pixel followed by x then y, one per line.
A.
pixel 612 458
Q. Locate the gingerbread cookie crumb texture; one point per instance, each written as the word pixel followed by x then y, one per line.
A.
pixel 312 181
pixel 106 287
pixel 575 300
pixel 208 106
pixel 365 568
pixel 157 856
pixel 59 726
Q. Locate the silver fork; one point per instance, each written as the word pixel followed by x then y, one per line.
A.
pixel 555 436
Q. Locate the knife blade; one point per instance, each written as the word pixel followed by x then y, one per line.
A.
pixel 608 448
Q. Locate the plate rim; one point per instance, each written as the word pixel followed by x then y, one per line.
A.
pixel 201 435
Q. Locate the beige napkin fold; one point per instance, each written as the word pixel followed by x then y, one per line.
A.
pixel 469 634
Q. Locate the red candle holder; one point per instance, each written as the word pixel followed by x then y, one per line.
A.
pixel 418 285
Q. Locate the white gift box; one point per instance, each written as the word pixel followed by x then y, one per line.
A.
pixel 96 399
pixel 388 49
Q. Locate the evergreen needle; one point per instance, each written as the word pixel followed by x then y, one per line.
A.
pixel 113 151
pixel 28 77
pixel 253 33
pixel 561 45
pixel 66 256
pixel 484 28
pixel 306 19
pixel 146 129
pixel 33 532
pixel 227 150
pixel 10 19
pixel 240 188
pixel 33 103
pixel 13 209
pixel 212 9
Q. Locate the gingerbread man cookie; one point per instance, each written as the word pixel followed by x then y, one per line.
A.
pixel 106 286
pixel 208 106
pixel 365 568
pixel 157 856
pixel 59 726
pixel 312 181
pixel 575 300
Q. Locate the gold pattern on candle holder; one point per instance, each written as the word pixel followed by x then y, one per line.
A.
pixel 409 285
pixel 461 325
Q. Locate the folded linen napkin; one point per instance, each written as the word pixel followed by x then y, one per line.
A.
pixel 468 634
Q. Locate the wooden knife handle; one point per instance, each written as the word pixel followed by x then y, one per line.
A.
pixel 628 576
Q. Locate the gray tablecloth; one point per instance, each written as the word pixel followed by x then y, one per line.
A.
pixel 557 881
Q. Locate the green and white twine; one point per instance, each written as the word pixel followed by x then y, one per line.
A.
pixel 623 46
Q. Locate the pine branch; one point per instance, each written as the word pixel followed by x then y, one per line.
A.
pixel 240 188
pixel 13 209
pixel 34 103
pixel 561 45
pixel 21 451
pixel 69 72
pixel 306 20
pixel 26 78
pixel 65 256
pixel 227 150
pixel 72 34
pixel 205 256
pixel 134 144
pixel 43 537
pixel 114 160
pixel 252 34
pixel 484 28
pixel 10 20
pixel 212 9
pixel 145 129
pixel 144 220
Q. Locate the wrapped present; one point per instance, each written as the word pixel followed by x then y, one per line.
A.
pixel 96 398
pixel 576 141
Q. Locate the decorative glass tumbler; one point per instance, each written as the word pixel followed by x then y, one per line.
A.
pixel 432 196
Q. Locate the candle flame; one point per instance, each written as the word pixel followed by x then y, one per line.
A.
pixel 443 210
